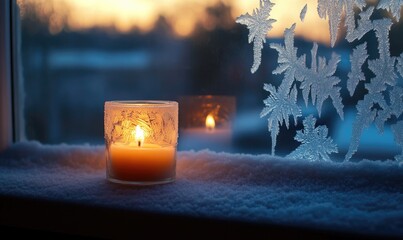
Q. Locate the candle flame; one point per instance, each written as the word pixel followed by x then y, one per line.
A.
pixel 139 136
pixel 210 122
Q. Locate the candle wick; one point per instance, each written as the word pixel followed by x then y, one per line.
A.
pixel 139 143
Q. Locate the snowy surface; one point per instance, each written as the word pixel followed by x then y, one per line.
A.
pixel 362 197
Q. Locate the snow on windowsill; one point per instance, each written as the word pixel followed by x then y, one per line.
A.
pixel 359 197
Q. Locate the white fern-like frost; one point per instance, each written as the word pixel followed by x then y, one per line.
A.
pixel 288 62
pixel 334 9
pixel 393 6
pixel 364 119
pixel 279 106
pixel 375 108
pixel 398 133
pixel 384 66
pixel 399 65
pixel 394 108
pixel 258 25
pixel 303 12
pixel 319 82
pixel 315 144
pixel 364 25
pixel 356 75
pixel 384 98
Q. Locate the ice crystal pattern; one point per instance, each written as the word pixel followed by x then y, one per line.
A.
pixel 315 144
pixel 280 105
pixel 317 82
pixel 383 101
pixel 303 12
pixel 258 25
pixel 357 59
pixel 321 83
pixel 384 98
pixel 398 132
pixel 333 10
pixel 393 6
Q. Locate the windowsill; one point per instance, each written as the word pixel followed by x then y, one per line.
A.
pixel 63 189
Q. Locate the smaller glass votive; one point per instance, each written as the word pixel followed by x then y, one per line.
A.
pixel 141 140
pixel 204 111
pixel 206 122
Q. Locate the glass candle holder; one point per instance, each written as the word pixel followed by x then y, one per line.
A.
pixel 204 111
pixel 141 139
pixel 206 122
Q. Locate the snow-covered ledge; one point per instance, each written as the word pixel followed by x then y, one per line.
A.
pixel 359 198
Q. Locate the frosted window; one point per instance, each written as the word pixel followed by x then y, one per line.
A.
pixel 346 74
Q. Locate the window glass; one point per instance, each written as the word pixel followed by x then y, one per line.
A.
pixel 78 54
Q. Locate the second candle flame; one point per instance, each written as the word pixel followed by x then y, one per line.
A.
pixel 139 136
pixel 210 122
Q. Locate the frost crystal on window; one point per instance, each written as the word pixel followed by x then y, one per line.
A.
pixel 383 67
pixel 315 144
pixel 258 25
pixel 375 107
pixel 399 65
pixel 303 12
pixel 395 107
pixel 384 99
pixel 357 59
pixel 365 117
pixel 320 82
pixel 393 6
pixel 280 104
pixel 289 64
pixel 317 81
pixel 333 9
pixel 398 133
pixel 398 106
pixel 364 25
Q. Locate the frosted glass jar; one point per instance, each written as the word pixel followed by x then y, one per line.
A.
pixel 141 140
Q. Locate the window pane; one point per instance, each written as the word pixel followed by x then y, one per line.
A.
pixel 78 54
pixel 75 59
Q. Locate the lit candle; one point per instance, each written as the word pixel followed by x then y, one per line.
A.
pixel 139 150
pixel 207 137
pixel 210 122
pixel 138 136
pixel 206 122
pixel 139 162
